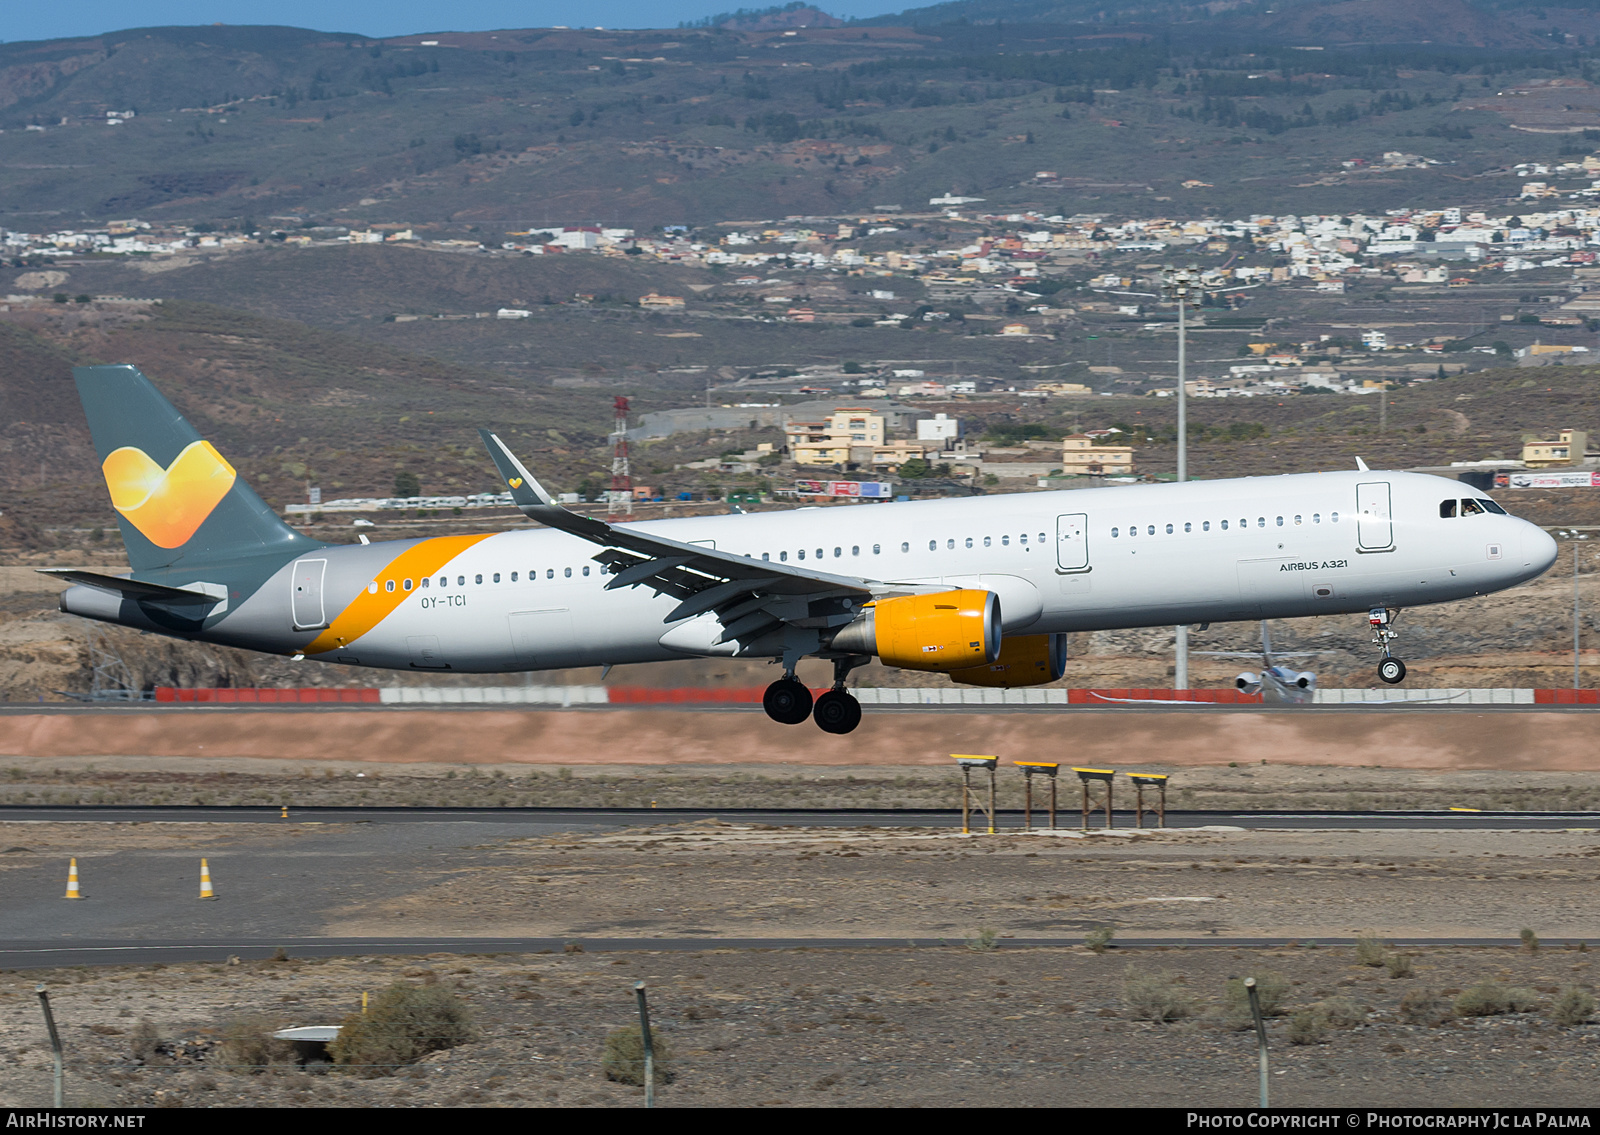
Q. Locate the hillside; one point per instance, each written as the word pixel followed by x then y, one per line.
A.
pixel 503 130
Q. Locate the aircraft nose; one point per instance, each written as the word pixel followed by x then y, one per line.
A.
pixel 1538 548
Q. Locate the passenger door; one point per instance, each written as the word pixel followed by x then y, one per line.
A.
pixel 305 601
pixel 1072 542
pixel 1374 521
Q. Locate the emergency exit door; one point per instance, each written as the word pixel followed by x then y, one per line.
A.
pixel 306 600
pixel 1072 542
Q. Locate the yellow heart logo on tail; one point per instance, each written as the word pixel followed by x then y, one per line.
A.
pixel 515 482
pixel 168 505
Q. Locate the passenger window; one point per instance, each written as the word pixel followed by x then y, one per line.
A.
pixel 949 545
pixel 549 573
pixel 1280 522
pixel 425 582
pixel 1224 525
pixel 567 572
pixel 513 577
pixel 1169 530
pixel 1261 522
pixel 837 552
pixel 933 545
pixel 783 557
pixel 1470 508
pixel 372 588
pixel 969 541
pixel 1447 510
pixel 1491 506
pixel 1205 526
pixel 766 555
pixel 1133 530
pixel 388 585
pixel 1005 541
pixel 444 581
pixel 1297 520
pixel 1333 518
pixel 1316 518
pixel 801 553
pixel 819 553
pixel 1041 537
pixel 497 577
pixel 407 585
pixel 461 581
pixel 1188 527
pixel 477 579
pixel 905 546
pixel 855 549
pixel 586 569
pixel 1023 539
pixel 1150 530
pixel 1113 533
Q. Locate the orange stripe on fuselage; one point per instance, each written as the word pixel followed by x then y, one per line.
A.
pixel 370 608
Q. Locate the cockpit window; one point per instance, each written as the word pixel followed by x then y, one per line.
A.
pixel 1447 509
pixel 1491 506
pixel 1470 508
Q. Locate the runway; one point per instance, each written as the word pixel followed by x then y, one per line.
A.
pixel 555 819
pixel 45 955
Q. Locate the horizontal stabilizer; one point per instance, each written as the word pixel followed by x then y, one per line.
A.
pixel 133 588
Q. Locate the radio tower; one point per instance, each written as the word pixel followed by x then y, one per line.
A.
pixel 621 496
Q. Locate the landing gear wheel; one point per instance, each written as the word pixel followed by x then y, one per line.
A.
pixel 837 712
pixel 1392 671
pixel 787 702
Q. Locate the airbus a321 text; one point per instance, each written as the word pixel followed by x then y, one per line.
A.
pixel 982 589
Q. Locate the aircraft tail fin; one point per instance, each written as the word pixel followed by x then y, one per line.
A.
pixel 179 503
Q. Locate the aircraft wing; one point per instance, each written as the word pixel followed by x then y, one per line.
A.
pixel 749 596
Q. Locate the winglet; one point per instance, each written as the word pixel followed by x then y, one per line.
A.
pixel 525 491
pixel 1361 466
pixel 530 496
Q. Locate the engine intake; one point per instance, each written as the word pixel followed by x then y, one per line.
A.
pixel 944 631
pixel 1025 660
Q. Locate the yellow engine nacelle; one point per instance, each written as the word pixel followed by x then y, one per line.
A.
pixel 944 631
pixel 1026 660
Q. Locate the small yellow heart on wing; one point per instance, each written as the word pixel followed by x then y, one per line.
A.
pixel 515 482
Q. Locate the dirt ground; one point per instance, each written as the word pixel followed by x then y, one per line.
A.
pixel 961 1025
pixel 1230 786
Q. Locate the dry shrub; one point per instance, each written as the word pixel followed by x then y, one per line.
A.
pixel 624 1057
pixel 1520 999
pixel 1483 999
pixel 143 1040
pixel 1572 1006
pixel 1271 988
pixel 1530 940
pixel 1156 996
pixel 247 1045
pixel 1425 1007
pixel 1399 965
pixel 1341 1013
pixel 1308 1026
pixel 403 1023
pixel 1370 951
pixel 1099 938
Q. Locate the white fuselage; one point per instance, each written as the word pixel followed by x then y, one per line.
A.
pixel 1129 556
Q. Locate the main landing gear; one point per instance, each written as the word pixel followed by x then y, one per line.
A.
pixel 788 702
pixel 1391 670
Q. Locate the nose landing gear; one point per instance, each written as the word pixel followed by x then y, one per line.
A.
pixel 1391 670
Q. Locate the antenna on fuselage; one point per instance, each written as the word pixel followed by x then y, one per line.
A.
pixel 1361 466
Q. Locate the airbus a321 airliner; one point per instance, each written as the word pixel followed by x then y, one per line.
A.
pixel 982 589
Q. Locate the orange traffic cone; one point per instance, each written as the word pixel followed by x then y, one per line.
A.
pixel 205 881
pixel 72 882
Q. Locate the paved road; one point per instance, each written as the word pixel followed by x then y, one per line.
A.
pixel 46 954
pixel 571 818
